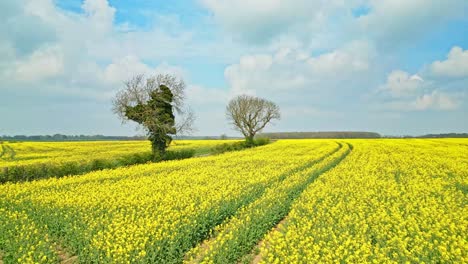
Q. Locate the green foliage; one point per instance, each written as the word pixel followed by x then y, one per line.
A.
pixel 157 116
pixel 179 154
pixel 261 141
pixel 44 170
pixel 227 147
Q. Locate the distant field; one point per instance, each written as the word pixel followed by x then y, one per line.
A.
pixel 32 160
pixel 291 201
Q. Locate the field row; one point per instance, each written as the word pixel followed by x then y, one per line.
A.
pixel 389 201
pixel 238 235
pixel 22 161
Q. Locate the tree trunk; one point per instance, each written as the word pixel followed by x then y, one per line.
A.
pixel 158 148
pixel 249 140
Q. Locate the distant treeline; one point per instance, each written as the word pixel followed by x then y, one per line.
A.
pixel 278 135
pixel 444 135
pixel 60 137
pixel 330 134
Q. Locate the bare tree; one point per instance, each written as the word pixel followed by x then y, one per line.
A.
pixel 249 114
pixel 154 103
pixel 184 122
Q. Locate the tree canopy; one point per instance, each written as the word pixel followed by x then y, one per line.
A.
pixel 153 103
pixel 250 114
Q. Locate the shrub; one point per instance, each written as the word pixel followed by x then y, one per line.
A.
pixel 179 154
pixel 228 147
pixel 261 141
pixel 239 145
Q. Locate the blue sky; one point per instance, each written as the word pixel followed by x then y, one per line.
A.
pixel 393 67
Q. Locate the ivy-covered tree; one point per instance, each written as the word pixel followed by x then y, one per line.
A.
pixel 152 103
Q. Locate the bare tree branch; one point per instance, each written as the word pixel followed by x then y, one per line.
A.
pixel 249 114
pixel 138 90
pixel 184 122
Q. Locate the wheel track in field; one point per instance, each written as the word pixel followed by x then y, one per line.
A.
pixel 3 149
pixel 64 257
pixel 292 194
pixel 203 243
pixel 255 257
pixel 255 197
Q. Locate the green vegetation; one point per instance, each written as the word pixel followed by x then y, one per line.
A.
pixel 178 154
pixel 226 147
pixel 46 170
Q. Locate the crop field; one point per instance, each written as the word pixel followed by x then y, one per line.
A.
pixel 32 160
pixel 291 201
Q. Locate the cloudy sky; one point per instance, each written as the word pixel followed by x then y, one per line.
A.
pixel 389 66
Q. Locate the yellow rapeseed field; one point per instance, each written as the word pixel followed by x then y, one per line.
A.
pixel 389 201
pixel 27 153
pixel 144 213
pixel 291 201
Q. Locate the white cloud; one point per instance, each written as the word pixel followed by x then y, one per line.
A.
pixel 456 64
pixel 86 55
pixel 43 63
pixel 324 23
pixel 209 106
pixel 424 91
pixel 200 96
pixel 86 50
pixel 306 86
pixel 399 21
pixel 293 70
pixel 124 68
pixel 261 19
pixel 309 111
pixel 401 84
pixel 312 22
pixel 338 62
pixel 99 13
pixel 165 68
pixel 434 100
